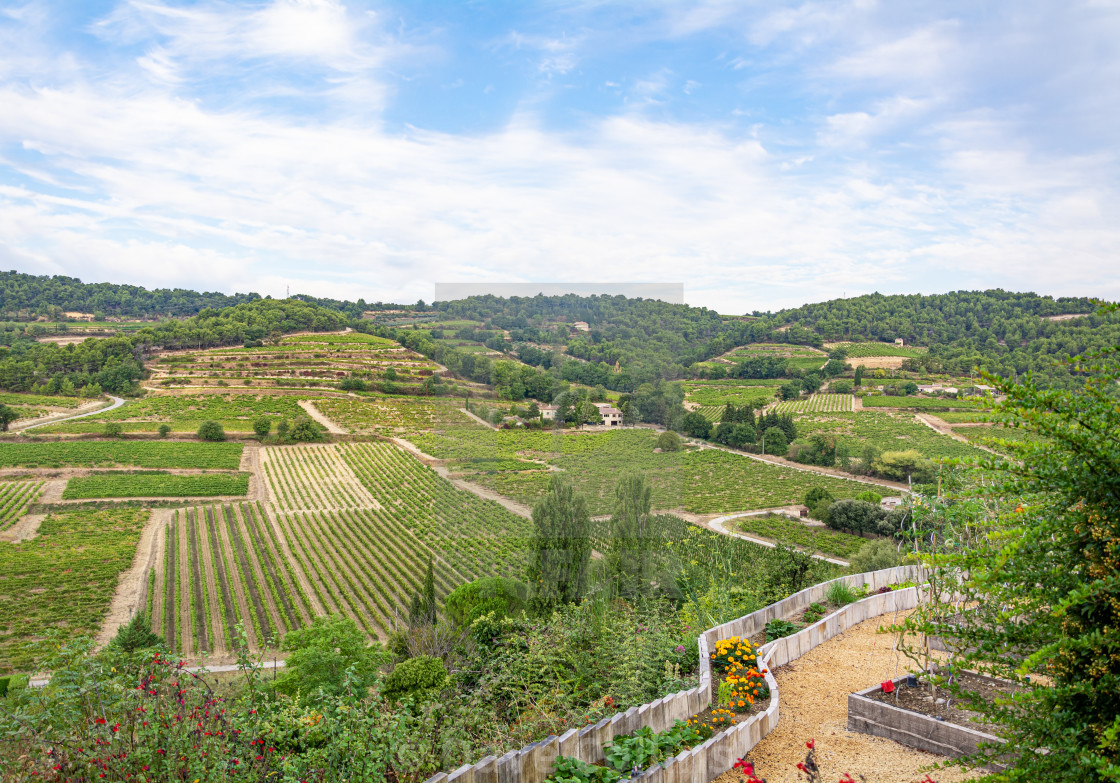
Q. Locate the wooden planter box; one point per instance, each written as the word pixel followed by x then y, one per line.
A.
pixel 914 729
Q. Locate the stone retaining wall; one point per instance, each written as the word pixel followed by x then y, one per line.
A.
pixel 533 763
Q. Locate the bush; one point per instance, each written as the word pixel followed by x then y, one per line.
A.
pixel 901 465
pixel 306 430
pixel 262 426
pixel 164 430
pixel 114 430
pixel 504 597
pixel 841 387
pixel 136 634
pixel 321 654
pixel 211 431
pixel 870 496
pixel 416 678
pixel 875 556
pixel 775 441
pixel 696 425
pixel 669 441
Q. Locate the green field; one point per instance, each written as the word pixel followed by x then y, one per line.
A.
pixel 860 350
pixel 700 481
pixel 391 415
pixel 152 484
pixel 818 403
pixel 15 497
pixel 64 578
pixel 920 403
pixel 101 453
pixel 713 393
pixel 816 540
pixel 884 431
pixel 41 400
pixel 184 413
pixel 963 417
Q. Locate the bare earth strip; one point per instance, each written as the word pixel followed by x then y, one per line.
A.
pixel 293 565
pixel 218 646
pixel 316 414
pixel 232 572
pixel 186 626
pixel 133 582
pixel 251 462
pixel 24 530
pixel 159 589
pixel 939 425
pixel 814 706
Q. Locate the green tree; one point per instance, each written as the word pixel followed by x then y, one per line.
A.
pixel 560 549
pixel 113 429
pixel 320 656
pixel 164 430
pixel 696 425
pixel 211 430
pixel 306 430
pixel 8 414
pixel 669 441
pixel 424 608
pixel 790 391
pixel 467 602
pixel 860 370
pixel 775 441
pixel 416 678
pixel 632 546
pixel 875 556
pixel 262 425
pixel 1043 583
pixel 136 634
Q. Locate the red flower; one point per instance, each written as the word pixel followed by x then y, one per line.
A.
pixel 810 744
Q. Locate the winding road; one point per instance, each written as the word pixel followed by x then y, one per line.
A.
pixel 117 402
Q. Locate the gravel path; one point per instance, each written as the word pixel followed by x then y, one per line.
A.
pixel 320 417
pixel 814 705
pixel 117 402
pixel 719 523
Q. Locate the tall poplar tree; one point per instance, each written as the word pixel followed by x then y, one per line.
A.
pixel 561 548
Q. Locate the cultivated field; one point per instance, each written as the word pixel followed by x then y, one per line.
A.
pixel 921 403
pixel 155 484
pixel 64 578
pixel 819 540
pixel 15 497
pixel 185 412
pixel 865 350
pixel 884 431
pixel 819 403
pixel 137 454
pixel 719 393
pixel 392 415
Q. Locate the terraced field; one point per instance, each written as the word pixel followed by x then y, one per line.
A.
pixel 720 393
pixel 302 360
pixel 224 566
pixel 922 403
pixel 862 350
pixel 819 403
pixel 15 497
pixel 154 484
pixel 185 412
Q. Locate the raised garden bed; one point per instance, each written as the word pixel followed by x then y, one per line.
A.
pixel 923 718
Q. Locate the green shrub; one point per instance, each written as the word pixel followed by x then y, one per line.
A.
pixel 416 678
pixel 306 430
pixel 136 634
pixel 504 597
pixel 875 556
pixel 813 613
pixel 164 430
pixel 870 496
pixel 211 431
pixel 669 441
pixel 262 426
pixel 854 516
pixel 113 430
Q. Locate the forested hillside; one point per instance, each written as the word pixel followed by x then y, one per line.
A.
pixel 25 296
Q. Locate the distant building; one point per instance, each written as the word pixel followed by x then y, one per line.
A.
pixel 548 412
pixel 581 326
pixel 890 503
pixel 899 341
pixel 612 416
pixel 79 316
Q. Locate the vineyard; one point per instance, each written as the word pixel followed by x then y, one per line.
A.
pixel 885 432
pixel 300 360
pixel 15 497
pixel 155 484
pixel 64 578
pixel 184 413
pixel 224 566
pixel 819 403
pixel 392 415
pixel 818 540
pixel 217 456
pixel 861 350
pixel 921 403
pixel 309 478
pixel 712 413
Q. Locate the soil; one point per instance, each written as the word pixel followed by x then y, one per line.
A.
pixel 316 414
pixel 251 462
pixel 133 583
pixel 813 693
pixel 265 594
pixel 186 626
pixel 878 362
pixel 924 698
pixel 25 529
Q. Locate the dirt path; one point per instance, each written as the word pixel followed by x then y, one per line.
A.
pixel 52 491
pixel 133 583
pixel 251 462
pixel 233 575
pixel 814 705
pixel 478 419
pixel 316 414
pixel 85 409
pixel 267 599
pixel 159 587
pixel 785 463
pixel 117 402
pixel 443 471
pixel 943 427
pixel 719 526
pixel 25 529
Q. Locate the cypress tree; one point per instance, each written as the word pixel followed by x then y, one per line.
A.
pixel 561 548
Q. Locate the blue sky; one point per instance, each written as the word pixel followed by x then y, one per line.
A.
pixel 765 154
